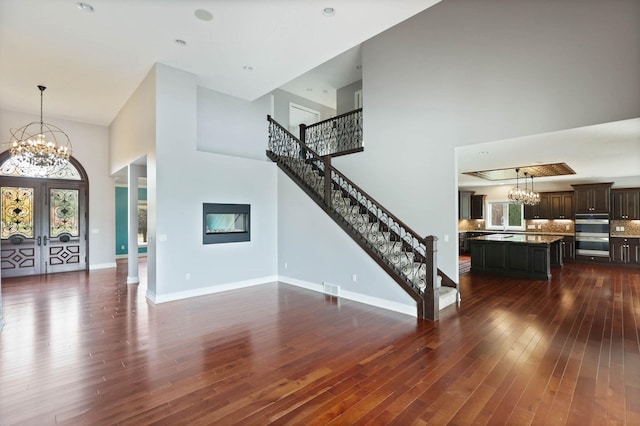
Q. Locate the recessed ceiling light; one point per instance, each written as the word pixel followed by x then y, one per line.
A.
pixel 180 42
pixel 247 68
pixel 328 11
pixel 483 152
pixel 203 15
pixel 85 7
pixel 309 89
pixel 358 67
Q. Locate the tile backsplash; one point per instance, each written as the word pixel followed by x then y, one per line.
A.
pixel 631 228
pixel 532 226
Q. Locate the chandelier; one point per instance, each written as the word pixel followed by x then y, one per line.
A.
pixel 39 149
pixel 524 195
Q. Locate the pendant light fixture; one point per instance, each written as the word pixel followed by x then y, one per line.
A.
pixel 39 149
pixel 526 196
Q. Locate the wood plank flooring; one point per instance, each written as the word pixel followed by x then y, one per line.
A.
pixel 87 349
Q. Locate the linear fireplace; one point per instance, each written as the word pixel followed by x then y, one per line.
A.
pixel 225 223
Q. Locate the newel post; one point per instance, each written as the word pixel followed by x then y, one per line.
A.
pixel 431 308
pixel 303 133
pixel 327 180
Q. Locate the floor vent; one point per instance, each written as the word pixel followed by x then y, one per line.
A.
pixel 331 289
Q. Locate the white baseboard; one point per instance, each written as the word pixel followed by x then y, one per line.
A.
pixel 203 291
pixel 126 256
pixel 402 308
pixel 102 266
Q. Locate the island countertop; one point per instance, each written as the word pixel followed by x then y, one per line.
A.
pixel 520 238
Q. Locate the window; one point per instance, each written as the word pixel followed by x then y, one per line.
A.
pixel 142 223
pixel 504 215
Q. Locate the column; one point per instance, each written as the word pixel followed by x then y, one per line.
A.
pixel 133 174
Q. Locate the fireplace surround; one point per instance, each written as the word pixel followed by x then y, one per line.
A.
pixel 225 223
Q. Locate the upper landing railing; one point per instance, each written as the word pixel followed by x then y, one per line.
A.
pixel 336 136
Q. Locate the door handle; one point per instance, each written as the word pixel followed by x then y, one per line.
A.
pixel 39 240
pixel 45 240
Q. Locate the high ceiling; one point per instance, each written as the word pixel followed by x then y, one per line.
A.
pixel 92 62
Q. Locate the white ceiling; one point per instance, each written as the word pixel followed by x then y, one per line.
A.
pixel 608 152
pixel 92 62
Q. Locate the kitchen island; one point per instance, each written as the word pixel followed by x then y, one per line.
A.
pixel 528 256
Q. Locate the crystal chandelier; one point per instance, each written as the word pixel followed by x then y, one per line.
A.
pixel 524 195
pixel 39 149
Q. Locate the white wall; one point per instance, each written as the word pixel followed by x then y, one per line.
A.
pixel 133 131
pixel 465 72
pixel 316 250
pixel 232 126
pixel 186 178
pixel 90 145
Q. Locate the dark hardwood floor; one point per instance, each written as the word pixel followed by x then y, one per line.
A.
pixel 87 349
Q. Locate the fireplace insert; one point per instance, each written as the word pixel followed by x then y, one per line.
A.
pixel 225 223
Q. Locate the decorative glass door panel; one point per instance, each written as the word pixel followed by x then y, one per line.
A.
pixel 66 242
pixel 20 254
pixel 43 227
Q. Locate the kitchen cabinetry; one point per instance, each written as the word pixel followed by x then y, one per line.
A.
pixel 592 198
pixel 539 211
pixel 477 206
pixel 625 250
pixel 464 204
pixel 568 248
pixel 625 204
pixel 561 205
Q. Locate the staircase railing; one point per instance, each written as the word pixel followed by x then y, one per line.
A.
pixel 408 258
pixel 335 136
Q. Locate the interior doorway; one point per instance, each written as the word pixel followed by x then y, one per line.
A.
pixel 299 114
pixel 43 225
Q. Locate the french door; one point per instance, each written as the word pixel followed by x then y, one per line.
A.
pixel 43 227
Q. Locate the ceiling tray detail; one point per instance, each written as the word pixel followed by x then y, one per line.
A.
pixel 541 170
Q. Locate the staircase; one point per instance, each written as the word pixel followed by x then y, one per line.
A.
pixel 408 258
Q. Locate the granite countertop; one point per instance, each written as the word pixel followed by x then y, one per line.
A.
pixel 520 238
pixel 485 231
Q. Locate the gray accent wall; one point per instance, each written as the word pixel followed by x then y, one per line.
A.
pixel 316 250
pixel 346 97
pixel 282 99
pixel 464 72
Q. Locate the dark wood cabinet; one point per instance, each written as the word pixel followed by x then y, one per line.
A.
pixel 470 206
pixel 592 198
pixel 464 204
pixel 625 204
pixel 561 205
pixel 477 206
pixel 539 211
pixel 625 250
pixel 568 248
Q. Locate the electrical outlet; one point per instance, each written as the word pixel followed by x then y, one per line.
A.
pixel 539 226
pixel 446 238
pixel 478 225
pixel 622 229
pixel 187 276
pixel 122 247
pixel 354 278
pixel 286 265
pixel 567 227
pixel 531 227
